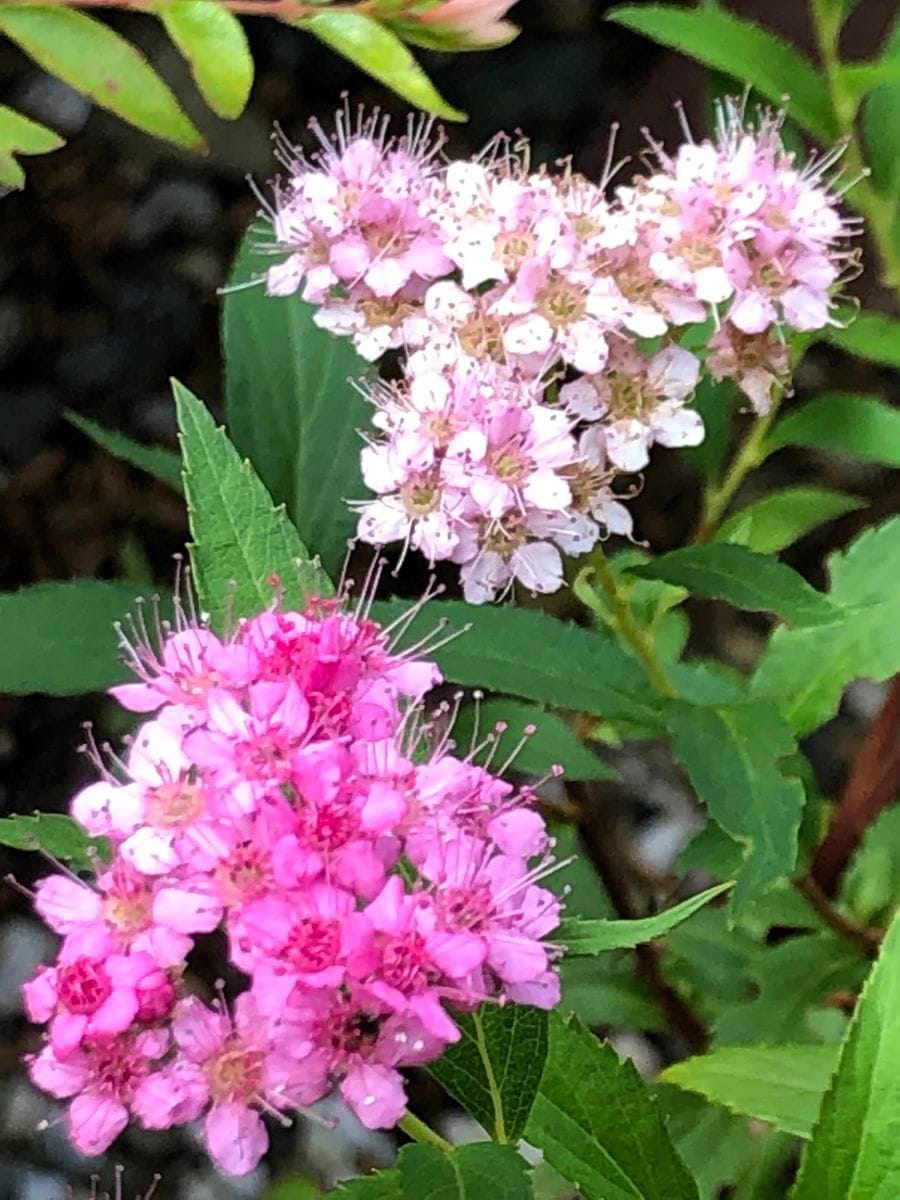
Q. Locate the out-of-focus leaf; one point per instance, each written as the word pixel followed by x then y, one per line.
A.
pixel 745 51
pixel 585 937
pixel 240 541
pixel 860 425
pixel 715 1144
pixel 860 78
pixel 881 125
pixel 162 464
pixel 781 1085
pixel 213 41
pixel 21 135
pixel 776 521
pixel 716 404
pixel 380 53
pixel 55 834
pixel 608 993
pixel 95 60
pixel 872 336
pixel 870 887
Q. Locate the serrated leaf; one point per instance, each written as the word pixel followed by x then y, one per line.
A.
pixel 240 541
pixel 291 407
pixel 805 671
pixel 21 135
pixel 598 1125
pixel 847 424
pixel 479 1171
pixel 495 1069
pixel 552 743
pixel 213 42
pixel 731 754
pixel 793 979
pixel 781 1085
pixel 582 937
pixel 855 1152
pixel 64 640
pixel 162 464
pixel 95 60
pixel 776 521
pixel 872 336
pixel 55 834
pixel 743 578
pixel 376 50
pixel 743 50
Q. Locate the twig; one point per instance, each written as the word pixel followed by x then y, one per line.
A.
pixel 862 936
pixel 873 784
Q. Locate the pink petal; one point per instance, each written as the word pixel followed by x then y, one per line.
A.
pixel 95 1123
pixel 376 1095
pixel 236 1138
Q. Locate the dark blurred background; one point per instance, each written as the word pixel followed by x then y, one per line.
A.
pixel 110 261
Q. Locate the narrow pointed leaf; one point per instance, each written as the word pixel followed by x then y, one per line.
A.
pixel 582 937
pixel 21 135
pixel 872 336
pixel 240 541
pixel 777 520
pixel 95 60
pixel 213 41
pixel 847 424
pixel 162 464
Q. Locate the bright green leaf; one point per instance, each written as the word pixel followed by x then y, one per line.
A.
pixel 379 1185
pixel 855 1152
pixel 848 424
pixel 21 135
pixel 290 403
pixel 598 1125
pixel 380 53
pixel 582 937
pixel 743 578
pixel 745 51
pixel 872 336
pixel 93 59
pixel 781 1085
pixel 881 125
pixel 731 754
pixel 55 834
pixel 859 78
pixel 162 464
pixel 61 637
pixel 240 542
pixel 213 41
pixel 495 1069
pixel 779 519
pixel 870 888
pixel 479 1171
pixel 553 741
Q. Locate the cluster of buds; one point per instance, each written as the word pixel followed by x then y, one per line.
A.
pixel 286 788
pixel 544 325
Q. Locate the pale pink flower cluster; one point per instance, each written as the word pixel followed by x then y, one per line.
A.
pixel 542 323
pixel 287 789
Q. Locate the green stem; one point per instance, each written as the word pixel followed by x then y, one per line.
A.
pixel 747 459
pixel 422 1133
pixel 496 1099
pixel 880 211
pixel 623 619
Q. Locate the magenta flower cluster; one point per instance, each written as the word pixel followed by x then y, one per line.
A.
pixel 542 324
pixel 288 789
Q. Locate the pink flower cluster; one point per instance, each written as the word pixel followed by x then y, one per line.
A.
pixel 542 323
pixel 287 789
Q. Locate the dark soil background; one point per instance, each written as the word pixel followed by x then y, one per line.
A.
pixel 110 261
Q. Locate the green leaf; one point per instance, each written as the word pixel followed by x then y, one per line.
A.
pixel 21 135
pixel 582 937
pixel 870 888
pixel 872 336
pixel 213 41
pixel 743 578
pixel 859 78
pixel 57 835
pixel 848 424
pixel 743 50
pixel 781 1085
pixel 240 541
pixel 380 53
pixel 608 993
pixel 93 59
pixel 731 754
pixel 379 1185
pixel 881 126
pixel 716 403
pixel 553 742
pixel 805 671
pixel 64 640
pixel 855 1152
pixel 793 979
pixel 480 1171
pixel 577 669
pixel 716 1145
pixel 495 1069
pixel 290 405
pixel 776 521
pixel 711 963
pixel 162 464
pixel 598 1125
